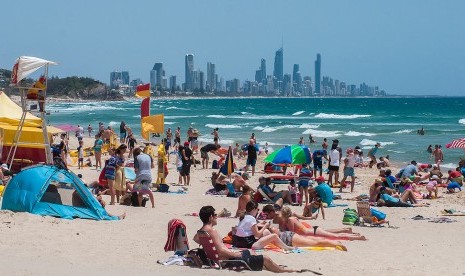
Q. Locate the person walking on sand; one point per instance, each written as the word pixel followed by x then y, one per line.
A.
pixel 371 153
pixel 251 156
pixel 143 164
pixel 98 151
pixel 333 168
pixel 177 137
pixel 349 163
pixel 187 161
pixel 89 129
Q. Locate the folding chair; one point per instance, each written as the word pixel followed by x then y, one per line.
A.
pixel 212 254
pixel 364 213
pixel 266 198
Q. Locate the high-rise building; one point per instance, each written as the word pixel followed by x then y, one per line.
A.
pixel 296 78
pixel 318 74
pixel 211 82
pixel 118 78
pixel 278 71
pixel 263 69
pixel 172 83
pixel 153 79
pixel 160 73
pixel 201 81
pixel 189 68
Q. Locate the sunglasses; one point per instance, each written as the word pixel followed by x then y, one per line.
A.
pixel 215 214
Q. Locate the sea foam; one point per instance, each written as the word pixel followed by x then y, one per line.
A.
pixel 368 142
pixel 221 126
pixel 403 131
pixel 356 133
pixel 339 116
pixel 298 113
pixel 322 133
pixel 462 121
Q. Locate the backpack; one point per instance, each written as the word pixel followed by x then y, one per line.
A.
pixel 350 217
pixel 215 164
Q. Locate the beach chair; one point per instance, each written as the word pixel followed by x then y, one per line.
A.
pixel 266 198
pixel 210 250
pixel 364 213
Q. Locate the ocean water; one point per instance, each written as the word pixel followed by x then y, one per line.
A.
pixel 281 121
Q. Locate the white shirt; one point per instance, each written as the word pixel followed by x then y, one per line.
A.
pixel 351 161
pixel 334 157
pixel 244 228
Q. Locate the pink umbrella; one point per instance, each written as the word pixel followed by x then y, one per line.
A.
pixel 456 144
pixel 67 128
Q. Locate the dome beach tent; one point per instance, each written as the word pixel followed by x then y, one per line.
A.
pixel 50 191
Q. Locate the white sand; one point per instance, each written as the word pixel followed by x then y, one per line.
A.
pixel 35 245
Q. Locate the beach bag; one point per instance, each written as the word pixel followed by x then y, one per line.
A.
pixel 231 190
pixel 350 217
pixel 215 164
pixel 378 214
pixel 163 188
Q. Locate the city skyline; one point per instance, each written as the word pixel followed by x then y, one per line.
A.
pixel 405 47
pixel 278 84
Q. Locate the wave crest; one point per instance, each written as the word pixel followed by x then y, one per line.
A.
pixel 339 116
pixel 221 126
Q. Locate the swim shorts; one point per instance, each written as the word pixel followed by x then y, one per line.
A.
pixel 251 162
pixel 303 183
pixel 204 154
pixel 349 171
pixel 333 168
pixel 318 165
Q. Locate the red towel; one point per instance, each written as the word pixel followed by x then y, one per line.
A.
pixel 171 241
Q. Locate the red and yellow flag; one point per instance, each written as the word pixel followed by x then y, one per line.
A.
pixel 143 90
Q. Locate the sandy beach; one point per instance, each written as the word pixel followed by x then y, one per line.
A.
pixel 35 245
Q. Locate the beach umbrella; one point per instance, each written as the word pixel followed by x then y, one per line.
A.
pixel 228 166
pixel 456 144
pixel 294 154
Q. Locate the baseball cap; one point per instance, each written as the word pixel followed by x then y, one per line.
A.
pixel 335 141
pixel 186 144
pixel 320 178
pixel 413 162
pixel 5 166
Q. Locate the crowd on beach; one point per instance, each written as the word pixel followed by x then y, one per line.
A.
pixel 307 185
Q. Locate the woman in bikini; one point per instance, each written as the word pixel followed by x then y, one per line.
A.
pixel 290 223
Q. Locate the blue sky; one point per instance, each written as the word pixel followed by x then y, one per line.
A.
pixel 405 47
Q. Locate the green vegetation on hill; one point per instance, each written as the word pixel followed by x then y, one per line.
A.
pixel 69 87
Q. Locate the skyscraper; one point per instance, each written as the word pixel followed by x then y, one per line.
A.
pixel 118 78
pixel 211 83
pixel 278 66
pixel 189 66
pixel 263 68
pixel 160 73
pixel 317 74
pixel 296 78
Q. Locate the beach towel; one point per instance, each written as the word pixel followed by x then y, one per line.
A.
pixel 271 247
pixel 177 236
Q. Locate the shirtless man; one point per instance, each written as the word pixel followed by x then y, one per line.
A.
pixel 438 155
pixel 256 262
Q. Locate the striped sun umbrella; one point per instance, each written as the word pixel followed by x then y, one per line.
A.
pixel 456 144
pixel 228 166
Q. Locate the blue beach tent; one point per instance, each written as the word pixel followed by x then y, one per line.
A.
pixel 50 191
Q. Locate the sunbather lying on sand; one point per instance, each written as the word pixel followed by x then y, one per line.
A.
pixel 289 223
pixel 402 201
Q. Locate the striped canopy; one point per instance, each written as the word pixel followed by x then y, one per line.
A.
pixel 456 144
